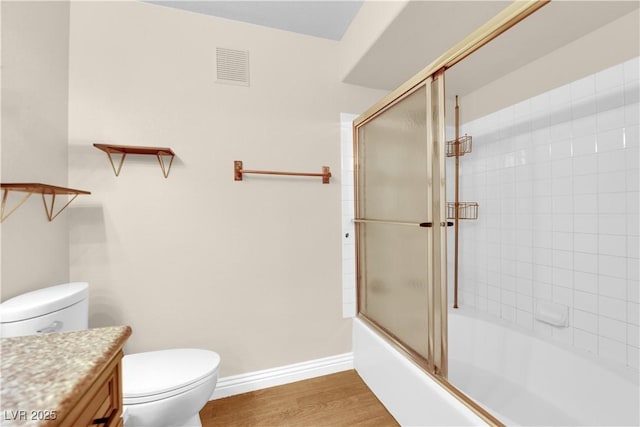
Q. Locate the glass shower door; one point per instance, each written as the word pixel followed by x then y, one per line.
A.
pixel 398 226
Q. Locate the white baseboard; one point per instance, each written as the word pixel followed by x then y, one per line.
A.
pixel 243 383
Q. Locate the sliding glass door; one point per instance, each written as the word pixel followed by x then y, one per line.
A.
pixel 401 225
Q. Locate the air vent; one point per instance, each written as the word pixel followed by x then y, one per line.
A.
pixel 232 66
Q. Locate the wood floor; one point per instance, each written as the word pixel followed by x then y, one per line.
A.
pixel 340 399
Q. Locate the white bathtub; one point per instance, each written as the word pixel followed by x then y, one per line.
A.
pixel 521 379
pixel 526 380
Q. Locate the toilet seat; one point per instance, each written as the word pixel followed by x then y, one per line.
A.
pixel 157 375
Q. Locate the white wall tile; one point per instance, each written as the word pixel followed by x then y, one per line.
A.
pixel 633 291
pixel 562 295
pixel 612 245
pixel 633 202
pixel 586 164
pixel 631 117
pixel 612 308
pixel 633 180
pixel 586 263
pixel 585 282
pixel 612 182
pixel 612 287
pixel 585 184
pixel 633 335
pixel 633 314
pixel 559 221
pixel 612 203
pixel 585 301
pixel 633 269
pixel 612 161
pixel 612 266
pixel 633 356
pixel 633 247
pixel 612 224
pixel 585 223
pixel 632 224
pixel 631 137
pixel 585 321
pixel 585 242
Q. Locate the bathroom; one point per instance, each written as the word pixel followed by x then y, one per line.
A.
pixel 252 269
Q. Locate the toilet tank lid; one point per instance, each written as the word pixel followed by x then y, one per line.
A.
pixel 43 301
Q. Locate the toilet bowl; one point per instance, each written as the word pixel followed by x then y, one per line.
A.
pixel 165 388
pixel 168 388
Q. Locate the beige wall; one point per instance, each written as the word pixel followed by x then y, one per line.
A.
pixel 35 42
pixel 609 45
pixel 249 269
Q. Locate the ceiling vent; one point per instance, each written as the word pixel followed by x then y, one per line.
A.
pixel 232 66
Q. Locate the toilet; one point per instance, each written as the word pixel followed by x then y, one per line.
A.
pixel 165 388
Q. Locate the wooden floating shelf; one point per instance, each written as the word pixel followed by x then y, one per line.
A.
pixel 238 172
pixel 123 150
pixel 466 210
pixel 44 190
pixel 463 144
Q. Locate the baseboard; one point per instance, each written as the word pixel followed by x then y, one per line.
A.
pixel 243 383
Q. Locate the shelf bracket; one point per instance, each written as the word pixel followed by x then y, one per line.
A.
pixel 165 172
pixel 5 195
pixel 49 209
pixel 113 166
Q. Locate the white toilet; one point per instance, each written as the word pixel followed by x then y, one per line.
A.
pixel 166 388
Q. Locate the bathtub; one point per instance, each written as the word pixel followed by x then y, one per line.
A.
pixel 526 380
pixel 517 377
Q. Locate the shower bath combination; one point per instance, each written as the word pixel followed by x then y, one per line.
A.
pixel 529 322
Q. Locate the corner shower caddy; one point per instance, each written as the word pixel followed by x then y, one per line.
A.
pixel 43 189
pixel 159 152
pixel 458 210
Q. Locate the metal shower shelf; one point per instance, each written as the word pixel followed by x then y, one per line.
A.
pixel 466 210
pixel 464 145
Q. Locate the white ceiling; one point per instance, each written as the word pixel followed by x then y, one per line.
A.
pixel 319 18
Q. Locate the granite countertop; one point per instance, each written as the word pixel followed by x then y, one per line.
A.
pixel 44 375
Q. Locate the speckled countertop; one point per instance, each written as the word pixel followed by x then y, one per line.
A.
pixel 50 372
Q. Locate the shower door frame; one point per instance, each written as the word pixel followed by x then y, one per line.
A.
pixel 510 16
pixel 435 361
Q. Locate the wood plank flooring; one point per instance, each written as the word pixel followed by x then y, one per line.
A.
pixel 341 399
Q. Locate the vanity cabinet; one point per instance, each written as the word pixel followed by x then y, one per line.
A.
pixel 66 379
pixel 101 405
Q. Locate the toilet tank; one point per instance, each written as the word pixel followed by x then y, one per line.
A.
pixel 58 308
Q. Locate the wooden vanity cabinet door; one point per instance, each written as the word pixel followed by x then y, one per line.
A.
pixel 102 404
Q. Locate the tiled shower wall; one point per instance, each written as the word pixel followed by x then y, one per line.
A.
pixel 348 227
pixel 556 177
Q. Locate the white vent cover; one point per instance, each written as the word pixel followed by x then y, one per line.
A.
pixel 232 66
